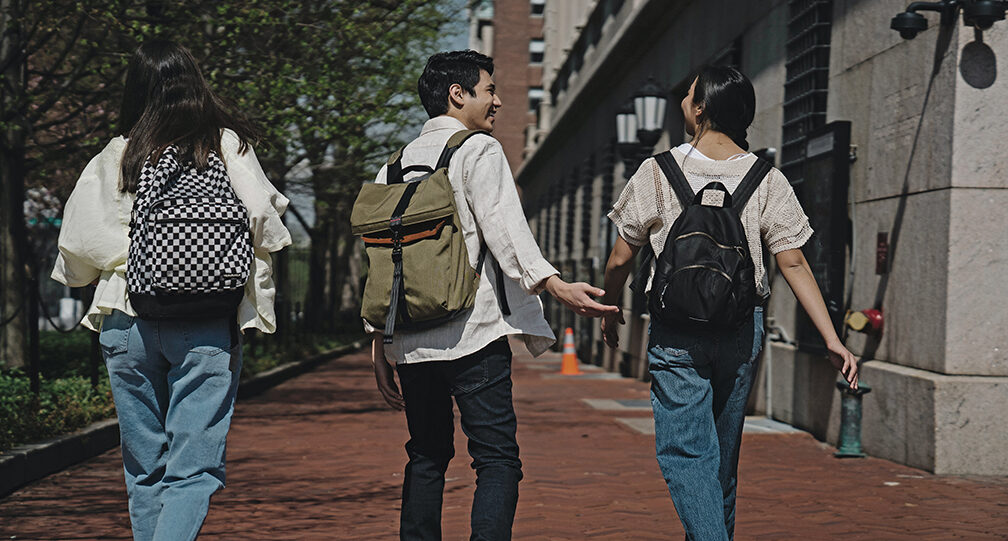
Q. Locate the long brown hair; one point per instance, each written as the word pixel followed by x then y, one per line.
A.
pixel 167 101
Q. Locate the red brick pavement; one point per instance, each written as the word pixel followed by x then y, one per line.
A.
pixel 320 457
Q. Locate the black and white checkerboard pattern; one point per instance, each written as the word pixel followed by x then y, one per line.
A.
pixel 189 232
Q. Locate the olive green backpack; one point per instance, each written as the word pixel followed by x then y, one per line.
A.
pixel 419 274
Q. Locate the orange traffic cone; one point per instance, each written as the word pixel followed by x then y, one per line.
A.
pixel 569 367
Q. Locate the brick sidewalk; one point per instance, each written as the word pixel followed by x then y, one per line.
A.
pixel 320 457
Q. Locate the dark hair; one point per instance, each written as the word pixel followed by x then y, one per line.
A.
pixel 728 99
pixel 167 101
pixel 445 69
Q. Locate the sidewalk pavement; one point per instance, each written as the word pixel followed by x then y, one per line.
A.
pixel 321 457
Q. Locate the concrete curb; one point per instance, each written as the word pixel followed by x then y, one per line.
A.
pixel 27 463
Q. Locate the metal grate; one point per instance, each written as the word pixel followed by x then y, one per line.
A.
pixel 807 80
pixel 606 164
pixel 570 196
pixel 587 174
pixel 556 195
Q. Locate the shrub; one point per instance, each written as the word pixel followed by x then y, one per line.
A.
pixel 61 406
pixel 66 401
pixel 65 354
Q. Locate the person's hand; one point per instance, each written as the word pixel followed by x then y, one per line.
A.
pixel 385 377
pixel 610 328
pixel 387 386
pixel 844 361
pixel 578 297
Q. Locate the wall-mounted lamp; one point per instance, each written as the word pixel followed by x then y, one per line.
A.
pixel 649 108
pixel 639 125
pixel 980 14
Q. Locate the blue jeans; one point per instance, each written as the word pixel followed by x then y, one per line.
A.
pixel 481 385
pixel 700 382
pixel 174 385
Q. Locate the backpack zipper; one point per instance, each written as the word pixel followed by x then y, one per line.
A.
pixel 712 239
pixel 198 221
pixel 708 267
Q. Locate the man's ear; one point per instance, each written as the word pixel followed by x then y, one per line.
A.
pixel 456 95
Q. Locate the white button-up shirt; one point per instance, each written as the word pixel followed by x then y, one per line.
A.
pixel 94 237
pixel 490 212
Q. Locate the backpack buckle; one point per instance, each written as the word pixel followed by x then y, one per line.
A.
pixel 396 222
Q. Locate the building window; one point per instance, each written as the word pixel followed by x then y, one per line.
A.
pixel 535 97
pixel 536 50
pixel 538 7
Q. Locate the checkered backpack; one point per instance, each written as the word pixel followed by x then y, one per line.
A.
pixel 190 248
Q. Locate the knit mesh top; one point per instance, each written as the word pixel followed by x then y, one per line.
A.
pixel 647 207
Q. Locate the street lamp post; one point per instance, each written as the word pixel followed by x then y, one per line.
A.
pixel 639 124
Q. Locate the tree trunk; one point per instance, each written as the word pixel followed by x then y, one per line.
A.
pixel 13 240
pixel 351 290
pixel 317 313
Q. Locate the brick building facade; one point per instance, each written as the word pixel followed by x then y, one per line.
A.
pixel 512 33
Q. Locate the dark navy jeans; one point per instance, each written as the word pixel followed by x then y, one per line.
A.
pixel 481 385
pixel 700 383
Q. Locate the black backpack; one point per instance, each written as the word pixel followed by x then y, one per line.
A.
pixel 190 248
pixel 705 277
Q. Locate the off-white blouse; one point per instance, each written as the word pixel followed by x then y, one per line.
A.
pixel 94 237
pixel 646 208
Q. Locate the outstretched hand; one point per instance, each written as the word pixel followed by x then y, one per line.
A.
pixel 578 297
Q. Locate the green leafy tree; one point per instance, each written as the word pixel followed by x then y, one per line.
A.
pixel 58 62
pixel 331 82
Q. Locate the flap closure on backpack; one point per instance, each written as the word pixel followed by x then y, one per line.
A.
pixel 376 203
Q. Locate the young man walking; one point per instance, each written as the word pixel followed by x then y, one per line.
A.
pixel 469 358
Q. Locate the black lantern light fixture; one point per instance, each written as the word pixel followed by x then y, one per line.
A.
pixel 639 125
pixel 980 14
pixel 649 108
pixel 626 129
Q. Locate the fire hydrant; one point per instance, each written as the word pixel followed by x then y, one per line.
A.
pixel 850 420
pixel 868 321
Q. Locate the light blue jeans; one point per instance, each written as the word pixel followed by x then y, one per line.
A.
pixel 174 385
pixel 700 383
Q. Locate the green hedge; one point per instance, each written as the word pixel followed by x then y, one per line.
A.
pixel 66 354
pixel 62 405
pixel 302 346
pixel 67 402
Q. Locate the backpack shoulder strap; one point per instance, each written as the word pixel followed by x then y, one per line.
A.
pixel 394 172
pixel 750 182
pixel 453 144
pixel 674 175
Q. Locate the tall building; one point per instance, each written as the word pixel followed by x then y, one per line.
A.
pixel 511 31
pixel 895 149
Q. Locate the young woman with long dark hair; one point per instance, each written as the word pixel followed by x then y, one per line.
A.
pixel 173 379
pixel 701 377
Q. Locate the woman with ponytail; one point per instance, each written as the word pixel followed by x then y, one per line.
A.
pixel 701 377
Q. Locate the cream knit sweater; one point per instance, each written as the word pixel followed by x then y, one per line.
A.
pixel 647 207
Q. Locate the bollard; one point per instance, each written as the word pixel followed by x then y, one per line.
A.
pixel 850 420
